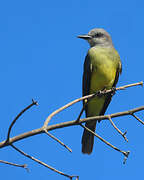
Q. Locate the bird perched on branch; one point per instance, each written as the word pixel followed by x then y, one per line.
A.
pixel 102 67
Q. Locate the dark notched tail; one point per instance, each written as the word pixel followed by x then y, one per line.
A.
pixel 88 138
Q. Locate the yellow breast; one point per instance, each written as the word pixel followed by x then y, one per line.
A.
pixel 102 77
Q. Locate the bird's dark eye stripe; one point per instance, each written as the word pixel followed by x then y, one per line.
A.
pixel 98 35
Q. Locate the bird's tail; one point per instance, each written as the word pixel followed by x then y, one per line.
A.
pixel 88 138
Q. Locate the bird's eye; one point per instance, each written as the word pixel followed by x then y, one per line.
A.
pixel 97 35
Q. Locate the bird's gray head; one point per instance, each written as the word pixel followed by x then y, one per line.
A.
pixel 98 37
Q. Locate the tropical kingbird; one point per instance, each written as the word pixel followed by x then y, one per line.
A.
pixel 102 67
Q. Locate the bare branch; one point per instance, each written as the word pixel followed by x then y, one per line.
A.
pixel 56 139
pixel 13 164
pixel 45 128
pixel 67 124
pixel 14 121
pixel 42 163
pixel 118 130
pixel 106 142
pixel 99 93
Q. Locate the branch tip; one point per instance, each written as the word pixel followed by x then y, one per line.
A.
pixel 141 83
pixel 14 164
pixel 125 133
pixel 126 154
pixel 77 177
pixel 26 167
pixel 34 102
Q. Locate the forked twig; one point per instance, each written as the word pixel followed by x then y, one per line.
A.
pixel 118 130
pixel 125 153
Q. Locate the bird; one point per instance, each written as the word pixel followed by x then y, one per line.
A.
pixel 102 68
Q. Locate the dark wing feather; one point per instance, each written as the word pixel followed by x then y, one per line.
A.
pixel 87 138
pixel 86 78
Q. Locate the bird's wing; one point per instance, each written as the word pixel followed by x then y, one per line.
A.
pixel 86 78
pixel 86 82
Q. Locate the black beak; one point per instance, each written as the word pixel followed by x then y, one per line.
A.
pixel 85 36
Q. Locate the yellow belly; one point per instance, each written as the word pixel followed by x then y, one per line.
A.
pixel 100 78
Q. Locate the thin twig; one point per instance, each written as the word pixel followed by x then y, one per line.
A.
pixel 13 164
pixel 62 108
pixel 67 124
pixel 80 114
pixel 118 130
pixel 87 97
pixel 13 122
pixel 106 142
pixel 40 162
pixel 130 85
pixel 84 106
pixel 137 118
pixel 56 139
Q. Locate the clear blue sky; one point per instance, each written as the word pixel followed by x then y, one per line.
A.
pixel 41 58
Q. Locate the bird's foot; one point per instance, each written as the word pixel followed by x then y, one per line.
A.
pixel 113 91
